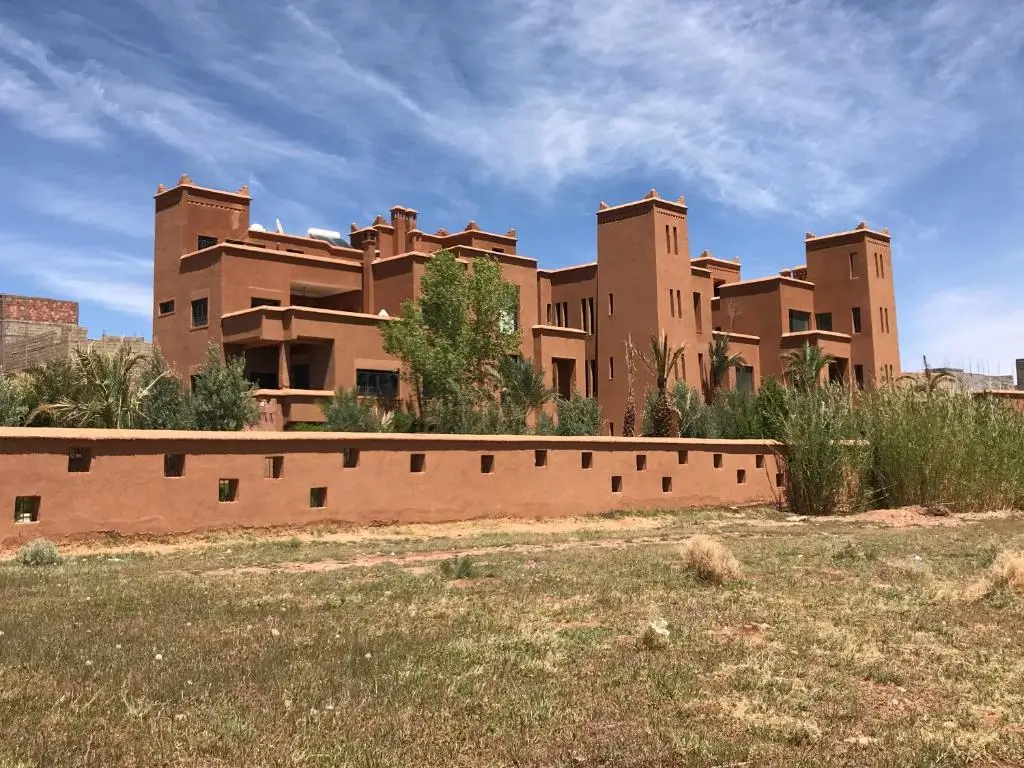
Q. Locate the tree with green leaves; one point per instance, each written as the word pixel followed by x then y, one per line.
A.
pixel 629 417
pixel 453 338
pixel 524 390
pixel 720 362
pixel 94 388
pixel 13 410
pixel 805 366
pixel 222 397
pixel 168 405
pixel 661 359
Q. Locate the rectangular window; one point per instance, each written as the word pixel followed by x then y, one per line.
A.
pixel 611 304
pixel 205 241
pixel 498 250
pixel 586 379
pixel 593 378
pixel 26 509
pixel 174 465
pixel 318 497
pixel 675 241
pixel 227 491
pixel 565 313
pixel 370 383
pixel 700 366
pixel 668 242
pixel 200 313
pixel 593 318
pixel 881 320
pixel 583 314
pixel 672 302
pixel 799 321
pixel 856 319
pixel 853 266
pixel 858 375
pixel 167 307
pixel 745 378
pixel 887 320
pixel 881 262
pixel 824 321
pixel 549 314
pixel 611 367
pixel 696 313
pixel 260 302
pixel 558 314
pixel 273 466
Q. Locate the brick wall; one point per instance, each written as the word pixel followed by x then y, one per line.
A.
pixel 83 482
pixel 31 309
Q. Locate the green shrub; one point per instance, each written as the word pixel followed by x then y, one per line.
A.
pixel 578 416
pixel 733 415
pixel 38 552
pixel 693 412
pixel 222 397
pixel 13 408
pixel 823 466
pixel 458 568
pixel 346 411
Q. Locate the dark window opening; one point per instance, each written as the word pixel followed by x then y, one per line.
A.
pixel 717 460
pixel 856 319
pixel 79 459
pixel 200 312
pixel 684 457
pixel 616 483
pixel 675 241
pixel 300 376
pixel 741 475
pixel 317 498
pixel 263 380
pixel 858 375
pixel 641 462
pixel 261 302
pixel 26 509
pixel 498 250
pixel 745 378
pixel 227 491
pixel 717 290
pixel 799 321
pixel 824 321
pixel 759 461
pixel 587 460
pixel 383 384
pixel 174 465
pixel 487 463
pixel 611 304
pixel 418 462
pixel 540 458
pixel 696 313
pixel 274 466
pixel 205 241
pixel 779 479
pixel 167 307
pixel 666 485
pixel 853 266
pixel 349 457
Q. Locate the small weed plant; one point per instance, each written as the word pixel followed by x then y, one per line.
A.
pixel 39 552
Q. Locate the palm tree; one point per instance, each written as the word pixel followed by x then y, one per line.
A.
pixel 661 359
pixel 95 388
pixel 523 386
pixel 720 362
pixel 629 418
pixel 804 366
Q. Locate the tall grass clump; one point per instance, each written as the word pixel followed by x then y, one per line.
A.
pixel 940 447
pixel 824 462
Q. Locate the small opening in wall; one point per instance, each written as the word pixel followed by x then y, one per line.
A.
pixel 641 462
pixel 587 460
pixel 274 467
pixel 227 490
pixel 26 509
pixel 759 461
pixel 487 463
pixel 741 475
pixel 779 479
pixel 349 457
pixel 540 458
pixel 79 459
pixel 616 483
pixel 317 498
pixel 717 458
pixel 174 465
pixel 684 457
pixel 417 462
pixel 666 485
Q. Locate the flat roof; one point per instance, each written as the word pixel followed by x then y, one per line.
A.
pixel 767 280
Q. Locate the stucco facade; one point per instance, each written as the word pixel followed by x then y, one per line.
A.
pixel 305 311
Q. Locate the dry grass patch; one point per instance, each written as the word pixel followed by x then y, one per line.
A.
pixel 710 561
pixel 1006 572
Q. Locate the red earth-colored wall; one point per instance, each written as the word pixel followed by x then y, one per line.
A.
pixel 125 490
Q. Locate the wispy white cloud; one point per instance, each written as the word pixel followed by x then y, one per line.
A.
pixel 116 281
pixel 82 103
pixel 95 208
pixel 808 105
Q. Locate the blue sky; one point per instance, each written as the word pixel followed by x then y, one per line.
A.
pixel 773 117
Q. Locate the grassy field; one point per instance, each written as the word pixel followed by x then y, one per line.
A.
pixel 844 643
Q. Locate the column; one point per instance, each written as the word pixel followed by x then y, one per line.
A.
pixel 283 367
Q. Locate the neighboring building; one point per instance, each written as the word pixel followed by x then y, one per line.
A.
pixel 36 330
pixel 304 311
pixel 963 381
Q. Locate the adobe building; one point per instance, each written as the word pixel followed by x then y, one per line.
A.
pixel 305 310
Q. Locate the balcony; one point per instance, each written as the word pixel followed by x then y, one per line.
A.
pixel 268 325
